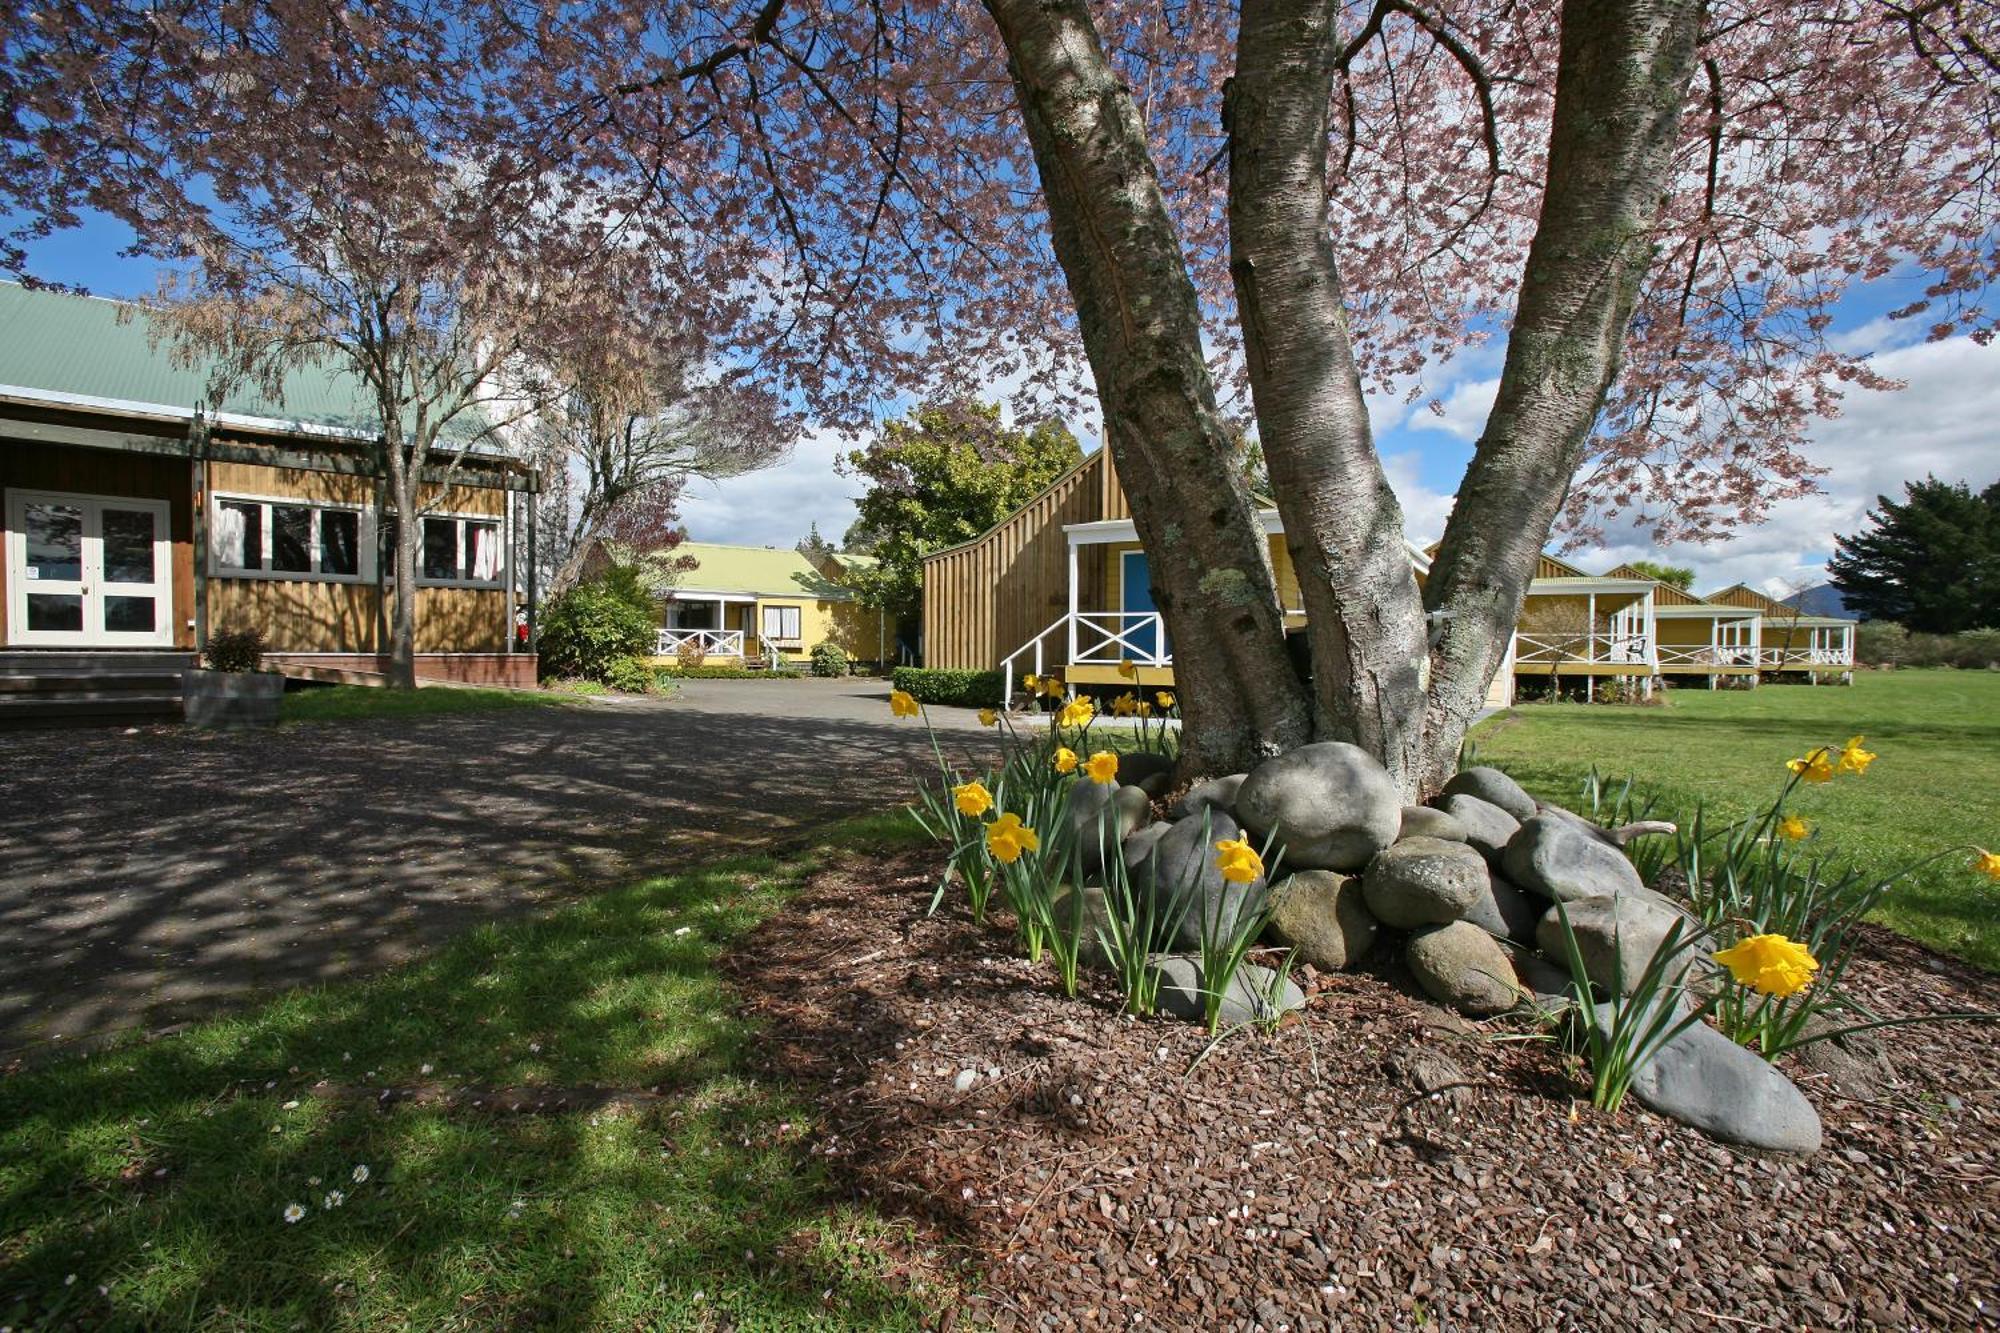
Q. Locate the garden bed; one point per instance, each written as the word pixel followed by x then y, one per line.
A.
pixel 1381 1161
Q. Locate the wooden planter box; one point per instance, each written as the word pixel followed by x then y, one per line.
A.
pixel 232 699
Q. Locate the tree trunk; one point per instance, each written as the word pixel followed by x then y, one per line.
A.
pixel 1364 613
pixel 409 535
pixel 1620 87
pixel 1141 325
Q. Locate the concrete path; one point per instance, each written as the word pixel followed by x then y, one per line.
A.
pixel 153 874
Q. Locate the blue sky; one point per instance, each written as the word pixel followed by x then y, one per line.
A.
pixel 1943 423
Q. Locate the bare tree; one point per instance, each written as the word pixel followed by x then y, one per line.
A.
pixel 625 434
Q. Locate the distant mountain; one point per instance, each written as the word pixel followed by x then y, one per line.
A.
pixel 1822 599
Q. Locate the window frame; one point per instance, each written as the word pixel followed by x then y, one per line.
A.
pixel 798 611
pixel 316 547
pixel 459 520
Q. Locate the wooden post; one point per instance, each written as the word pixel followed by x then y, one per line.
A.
pixel 198 521
pixel 534 564
pixel 1071 659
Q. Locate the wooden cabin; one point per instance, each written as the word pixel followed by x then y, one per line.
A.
pixel 760 605
pixel 1791 642
pixel 1061 587
pixel 1580 627
pixel 139 517
pixel 1695 640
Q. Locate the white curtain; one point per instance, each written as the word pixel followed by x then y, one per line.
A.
pixel 228 531
pixel 485 551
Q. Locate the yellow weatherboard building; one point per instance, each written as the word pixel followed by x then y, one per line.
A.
pixel 760 605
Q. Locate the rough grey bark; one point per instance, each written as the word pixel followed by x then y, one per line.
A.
pixel 403 474
pixel 1623 74
pixel 1141 325
pixel 1620 88
pixel 1343 524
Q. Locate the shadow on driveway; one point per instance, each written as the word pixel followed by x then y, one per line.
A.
pixel 146 876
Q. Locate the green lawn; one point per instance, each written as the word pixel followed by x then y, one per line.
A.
pixel 345 703
pixel 146 1187
pixel 1937 732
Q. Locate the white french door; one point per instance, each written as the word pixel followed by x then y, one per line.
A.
pixel 88 571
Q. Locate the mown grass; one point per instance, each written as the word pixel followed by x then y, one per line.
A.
pixel 346 703
pixel 145 1187
pixel 1937 732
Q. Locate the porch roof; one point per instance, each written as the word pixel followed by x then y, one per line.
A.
pixel 1586 584
pixel 1125 530
pixel 1704 611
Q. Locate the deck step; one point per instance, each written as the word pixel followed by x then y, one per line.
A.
pixel 40 688
pixel 143 681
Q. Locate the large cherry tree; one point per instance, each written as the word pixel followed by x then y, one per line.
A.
pixel 1653 207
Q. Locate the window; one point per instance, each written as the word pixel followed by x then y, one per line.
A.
pixel 456 550
pixel 440 552
pixel 339 542
pixel 781 623
pixel 297 540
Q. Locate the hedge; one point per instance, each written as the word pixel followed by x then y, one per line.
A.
pixel 936 685
pixel 789 671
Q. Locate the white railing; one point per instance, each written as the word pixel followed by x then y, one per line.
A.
pixel 714 642
pixel 1785 659
pixel 1705 655
pixel 1091 638
pixel 1554 650
pixel 1106 638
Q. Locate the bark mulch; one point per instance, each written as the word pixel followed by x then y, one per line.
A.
pixel 1379 1164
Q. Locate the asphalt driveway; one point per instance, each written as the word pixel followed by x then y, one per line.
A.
pixel 153 874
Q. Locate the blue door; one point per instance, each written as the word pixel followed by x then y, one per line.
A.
pixel 1136 593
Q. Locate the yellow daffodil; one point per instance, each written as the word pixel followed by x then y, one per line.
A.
pixel 1238 860
pixel 1854 759
pixel 1102 767
pixel 1128 669
pixel 1793 829
pixel 1815 767
pixel 1076 713
pixel 1007 837
pixel 972 799
pixel 903 704
pixel 1770 964
pixel 989 717
pixel 1143 708
pixel 1125 705
pixel 1166 699
pixel 1051 687
pixel 1988 863
pixel 1064 759
pixel 1031 682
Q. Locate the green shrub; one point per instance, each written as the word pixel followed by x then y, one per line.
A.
pixel 965 689
pixel 235 650
pixel 721 673
pixel 1885 643
pixel 630 675
pixel 596 624
pixel 829 659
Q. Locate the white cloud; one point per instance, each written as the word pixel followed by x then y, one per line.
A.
pixel 1461 413
pixel 1946 423
pixel 775 507
pixel 1424 510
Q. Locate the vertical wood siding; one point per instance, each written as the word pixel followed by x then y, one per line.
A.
pixel 983 599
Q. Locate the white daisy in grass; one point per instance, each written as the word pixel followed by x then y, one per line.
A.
pixel 361 1174
pixel 333 1200
pixel 294 1211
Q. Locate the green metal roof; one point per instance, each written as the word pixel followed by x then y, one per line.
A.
pixel 104 350
pixel 763 570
